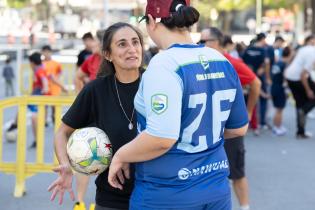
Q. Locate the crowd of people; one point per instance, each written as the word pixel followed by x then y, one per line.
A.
pixel 169 120
pixel 284 70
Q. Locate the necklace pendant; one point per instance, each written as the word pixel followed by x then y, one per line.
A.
pixel 130 126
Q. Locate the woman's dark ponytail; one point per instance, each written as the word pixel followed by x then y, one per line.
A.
pixel 181 16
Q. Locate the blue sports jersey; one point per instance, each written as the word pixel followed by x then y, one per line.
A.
pixel 254 57
pixel 277 73
pixel 189 93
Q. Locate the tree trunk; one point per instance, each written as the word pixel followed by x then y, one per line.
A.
pixel 227 21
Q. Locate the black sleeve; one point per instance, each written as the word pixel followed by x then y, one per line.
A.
pixel 80 58
pixel 81 113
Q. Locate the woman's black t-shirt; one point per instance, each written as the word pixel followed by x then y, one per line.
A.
pixel 97 105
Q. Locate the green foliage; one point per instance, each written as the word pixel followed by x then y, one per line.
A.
pixel 228 5
pixel 280 3
pixel 18 3
pixel 204 8
pixel 225 5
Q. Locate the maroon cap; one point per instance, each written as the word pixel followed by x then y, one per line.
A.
pixel 161 8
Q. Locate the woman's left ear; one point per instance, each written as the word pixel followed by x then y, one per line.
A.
pixel 106 56
pixel 152 24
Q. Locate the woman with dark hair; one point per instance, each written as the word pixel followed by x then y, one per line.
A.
pixel 106 103
pixel 189 100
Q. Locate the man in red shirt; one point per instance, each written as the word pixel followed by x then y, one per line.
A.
pixel 90 67
pixel 88 70
pixel 212 37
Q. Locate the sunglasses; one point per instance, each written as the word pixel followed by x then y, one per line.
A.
pixel 203 41
pixel 144 18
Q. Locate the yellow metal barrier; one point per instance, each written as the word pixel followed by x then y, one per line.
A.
pixel 21 169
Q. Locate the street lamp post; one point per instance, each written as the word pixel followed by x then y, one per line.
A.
pixel 313 16
pixel 106 13
pixel 259 4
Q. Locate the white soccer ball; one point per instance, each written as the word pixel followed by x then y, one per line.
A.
pixel 11 136
pixel 89 150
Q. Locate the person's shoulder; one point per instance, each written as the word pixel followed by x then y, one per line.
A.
pixel 55 63
pixel 163 55
pixel 8 67
pixel 213 54
pixel 51 62
pixel 41 71
pixel 99 84
pixel 93 56
pixel 82 52
pixel 270 48
pixel 231 58
pixel 309 48
pixel 161 59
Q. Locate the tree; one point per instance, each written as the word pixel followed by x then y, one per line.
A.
pixel 276 4
pixel 226 8
pixel 18 3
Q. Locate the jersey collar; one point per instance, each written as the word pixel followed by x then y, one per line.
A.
pixel 186 46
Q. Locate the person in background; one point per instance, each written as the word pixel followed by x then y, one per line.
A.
pixel 278 48
pixel 54 71
pixel 270 53
pixel 278 90
pixel 89 68
pixel 229 46
pixel 235 148
pixel 240 48
pixel 300 77
pixel 40 87
pixel 8 75
pixel 89 42
pixel 256 57
pixel 148 55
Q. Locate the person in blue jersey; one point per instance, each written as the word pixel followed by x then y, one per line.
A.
pixel 278 90
pixel 258 59
pixel 189 100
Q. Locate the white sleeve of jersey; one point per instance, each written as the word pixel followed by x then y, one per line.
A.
pixel 309 64
pixel 162 93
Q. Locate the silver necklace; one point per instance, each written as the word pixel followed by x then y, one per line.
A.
pixel 130 125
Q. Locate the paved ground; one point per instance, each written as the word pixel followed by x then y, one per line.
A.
pixel 280 172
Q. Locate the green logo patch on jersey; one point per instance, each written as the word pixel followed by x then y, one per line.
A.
pixel 159 103
pixel 204 62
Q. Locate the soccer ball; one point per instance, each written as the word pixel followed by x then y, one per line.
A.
pixel 89 151
pixel 11 136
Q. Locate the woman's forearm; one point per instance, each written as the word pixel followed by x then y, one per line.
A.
pixel 61 149
pixel 60 143
pixel 143 148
